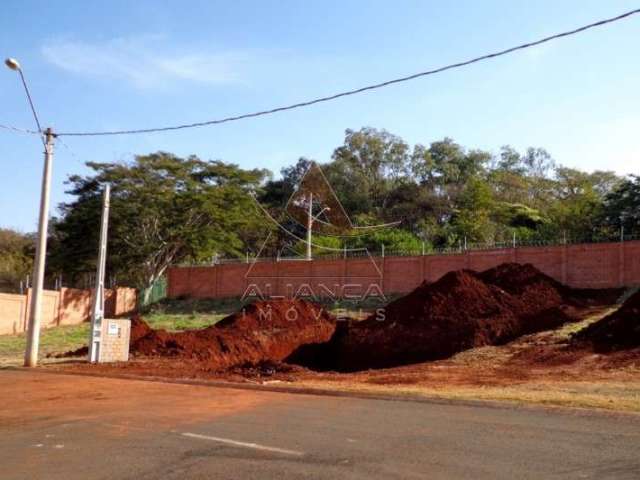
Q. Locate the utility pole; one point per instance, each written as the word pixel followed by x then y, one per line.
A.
pixel 97 311
pixel 309 226
pixel 310 219
pixel 35 307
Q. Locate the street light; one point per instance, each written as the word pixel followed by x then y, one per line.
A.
pixel 12 63
pixel 35 306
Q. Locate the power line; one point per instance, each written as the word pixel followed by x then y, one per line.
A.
pixel 361 89
pixel 19 130
pixel 71 152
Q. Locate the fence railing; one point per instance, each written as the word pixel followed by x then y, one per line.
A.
pixel 424 250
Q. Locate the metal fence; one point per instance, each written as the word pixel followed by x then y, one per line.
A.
pixel 153 294
pixel 426 249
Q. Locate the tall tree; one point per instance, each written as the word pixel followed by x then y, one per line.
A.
pixel 164 209
pixel 622 206
pixel 367 167
pixel 16 258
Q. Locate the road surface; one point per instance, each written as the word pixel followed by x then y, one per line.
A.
pixel 76 427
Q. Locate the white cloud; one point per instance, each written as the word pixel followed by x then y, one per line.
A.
pixel 147 62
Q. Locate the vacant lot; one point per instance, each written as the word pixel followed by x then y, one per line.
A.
pixel 503 334
pixel 172 315
pixel 537 368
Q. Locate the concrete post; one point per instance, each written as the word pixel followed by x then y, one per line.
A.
pixel 35 312
pixel 97 311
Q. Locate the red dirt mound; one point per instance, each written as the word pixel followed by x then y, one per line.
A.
pixel 538 289
pixel 262 332
pixel 618 331
pixel 139 328
pixel 462 310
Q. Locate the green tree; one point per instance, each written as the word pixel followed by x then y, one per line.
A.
pixel 393 239
pixel 576 206
pixel 473 216
pixel 622 206
pixel 366 168
pixel 164 209
pixel 16 258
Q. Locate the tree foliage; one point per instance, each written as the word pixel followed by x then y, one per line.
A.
pixel 167 209
pixel 16 254
pixel 164 209
pixel 444 194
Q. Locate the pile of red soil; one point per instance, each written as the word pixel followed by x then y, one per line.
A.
pixel 534 287
pixel 139 329
pixel 266 331
pixel 618 331
pixel 462 310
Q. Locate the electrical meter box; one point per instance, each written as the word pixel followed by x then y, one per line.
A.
pixel 114 340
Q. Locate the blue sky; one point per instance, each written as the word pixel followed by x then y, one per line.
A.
pixel 124 64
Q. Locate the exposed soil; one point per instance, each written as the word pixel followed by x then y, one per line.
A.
pixel 139 329
pixel 541 367
pixel 506 333
pixel 462 310
pixel 266 331
pixel 618 331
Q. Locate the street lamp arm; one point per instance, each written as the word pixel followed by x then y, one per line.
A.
pixel 13 64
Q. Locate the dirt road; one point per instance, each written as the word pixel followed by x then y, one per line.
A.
pixel 65 427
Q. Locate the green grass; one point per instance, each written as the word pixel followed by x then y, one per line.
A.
pixel 52 340
pixel 197 313
pixel 188 314
pixel 177 322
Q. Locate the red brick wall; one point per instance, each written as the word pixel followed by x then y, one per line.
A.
pixel 589 265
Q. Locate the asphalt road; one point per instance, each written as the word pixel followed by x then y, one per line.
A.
pixel 73 427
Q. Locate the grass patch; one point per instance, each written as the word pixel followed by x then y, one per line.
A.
pixel 185 313
pixel 189 314
pixel 52 340
pixel 609 395
pixel 192 306
pixel 177 322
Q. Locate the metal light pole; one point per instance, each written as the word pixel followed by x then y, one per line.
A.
pixel 97 311
pixel 35 306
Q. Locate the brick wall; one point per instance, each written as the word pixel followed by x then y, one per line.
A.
pixel 13 312
pixel 114 343
pixel 588 265
pixel 67 306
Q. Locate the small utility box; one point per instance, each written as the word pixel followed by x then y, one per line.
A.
pixel 114 340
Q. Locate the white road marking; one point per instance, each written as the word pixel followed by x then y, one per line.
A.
pixel 235 443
